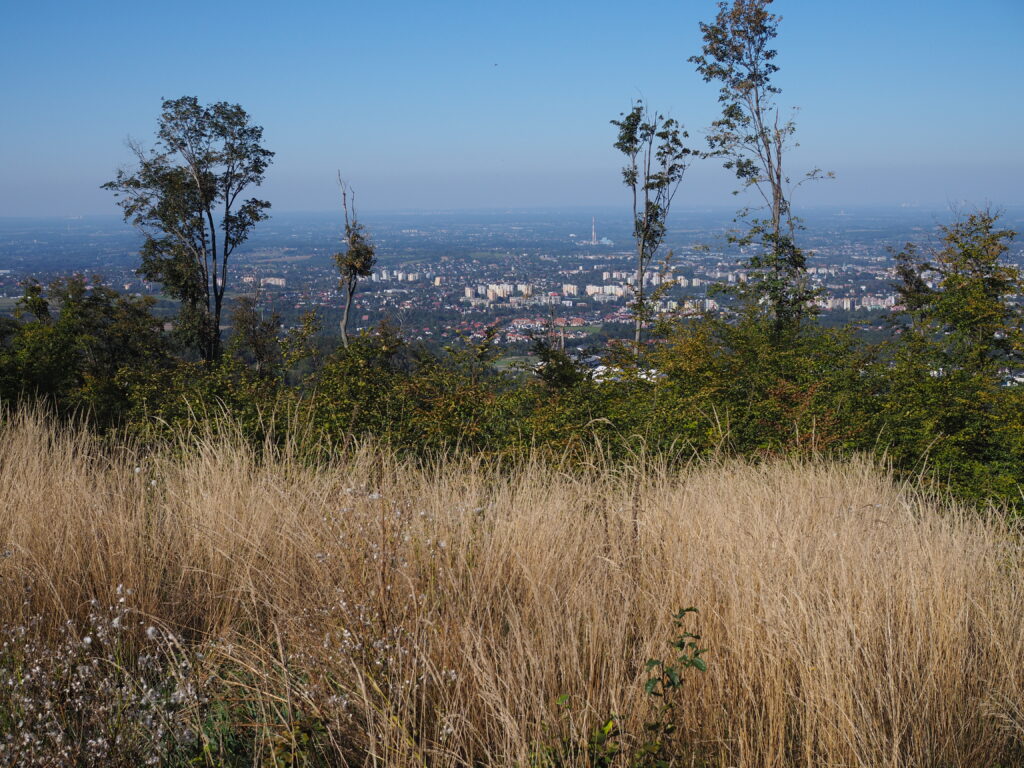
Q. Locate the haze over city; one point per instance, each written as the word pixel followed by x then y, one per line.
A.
pixel 470 105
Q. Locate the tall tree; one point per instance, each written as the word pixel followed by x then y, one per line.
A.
pixel 754 139
pixel 358 258
pixel 186 198
pixel 656 160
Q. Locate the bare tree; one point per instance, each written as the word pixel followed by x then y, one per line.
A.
pixel 358 258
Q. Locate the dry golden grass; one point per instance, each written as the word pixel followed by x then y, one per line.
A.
pixel 434 616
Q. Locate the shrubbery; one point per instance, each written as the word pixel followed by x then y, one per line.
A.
pixel 935 398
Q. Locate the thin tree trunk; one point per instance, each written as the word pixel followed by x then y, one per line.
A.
pixel 344 317
pixel 639 309
pixel 218 302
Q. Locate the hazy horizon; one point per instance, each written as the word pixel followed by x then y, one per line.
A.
pixel 471 106
pixel 950 210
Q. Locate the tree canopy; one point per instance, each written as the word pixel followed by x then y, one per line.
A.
pixel 186 196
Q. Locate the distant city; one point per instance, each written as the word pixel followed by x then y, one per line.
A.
pixel 449 275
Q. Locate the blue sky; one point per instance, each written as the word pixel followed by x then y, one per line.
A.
pixel 477 104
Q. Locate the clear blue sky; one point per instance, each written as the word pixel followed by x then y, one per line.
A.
pixel 487 103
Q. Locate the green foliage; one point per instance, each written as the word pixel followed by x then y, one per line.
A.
pixel 555 368
pixel 666 684
pixel 600 749
pixel 937 398
pixel 944 403
pixel 80 336
pixel 226 394
pixel 754 141
pixel 958 303
pixel 656 160
pixel 358 258
pixel 256 341
pixel 659 746
pixel 421 402
pixel 254 338
pixel 353 394
pixel 33 302
pixel 757 397
pixel 737 55
pixel 940 397
pixel 185 198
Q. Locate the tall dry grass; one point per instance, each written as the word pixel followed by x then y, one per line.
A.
pixel 462 615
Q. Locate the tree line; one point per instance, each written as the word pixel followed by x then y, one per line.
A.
pixel 761 377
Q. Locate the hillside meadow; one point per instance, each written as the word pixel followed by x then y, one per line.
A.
pixel 202 602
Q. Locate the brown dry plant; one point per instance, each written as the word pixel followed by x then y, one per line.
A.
pixel 456 613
